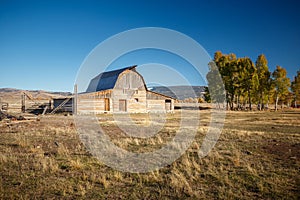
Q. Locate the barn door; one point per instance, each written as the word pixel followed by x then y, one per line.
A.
pixel 122 105
pixel 168 104
pixel 106 104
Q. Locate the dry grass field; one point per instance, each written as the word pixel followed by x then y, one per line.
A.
pixel 256 157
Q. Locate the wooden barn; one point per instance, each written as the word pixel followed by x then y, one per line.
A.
pixel 118 91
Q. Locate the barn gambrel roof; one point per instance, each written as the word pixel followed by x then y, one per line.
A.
pixel 106 80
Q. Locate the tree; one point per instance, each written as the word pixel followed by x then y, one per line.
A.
pixel 263 76
pixel 248 77
pixel 206 95
pixel 215 91
pixel 288 99
pixel 239 77
pixel 227 68
pixel 295 87
pixel 218 55
pixel 281 83
pixel 270 90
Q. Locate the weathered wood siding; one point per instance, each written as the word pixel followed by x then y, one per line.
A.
pixel 90 105
pixel 130 87
pixel 138 102
pixel 156 105
pixel 159 103
pixel 130 80
pixel 128 95
pixel 93 102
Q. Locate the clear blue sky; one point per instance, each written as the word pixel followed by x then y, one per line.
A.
pixel 43 43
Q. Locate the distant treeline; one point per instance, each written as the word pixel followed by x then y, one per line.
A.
pixel 247 83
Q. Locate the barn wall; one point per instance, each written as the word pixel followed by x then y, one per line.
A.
pixel 129 88
pixel 130 80
pixel 93 102
pixel 156 105
pixel 90 105
pixel 138 102
pixel 159 103
pixel 135 100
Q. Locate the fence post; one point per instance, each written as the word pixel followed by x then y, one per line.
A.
pixel 75 100
pixel 23 103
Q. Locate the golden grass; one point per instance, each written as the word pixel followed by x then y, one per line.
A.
pixel 256 157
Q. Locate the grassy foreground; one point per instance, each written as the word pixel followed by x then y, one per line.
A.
pixel 257 156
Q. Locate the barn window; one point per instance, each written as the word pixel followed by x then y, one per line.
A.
pixel 136 99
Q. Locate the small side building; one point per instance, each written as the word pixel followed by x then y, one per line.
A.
pixel 119 91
